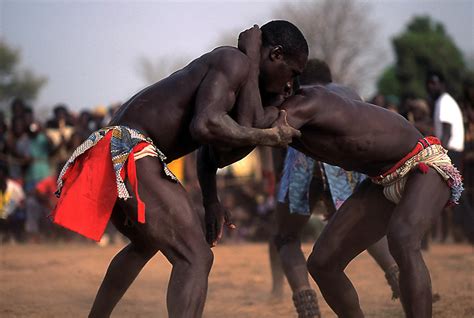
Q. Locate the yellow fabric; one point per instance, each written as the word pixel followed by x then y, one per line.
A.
pixel 177 167
pixel 4 200
pixel 247 167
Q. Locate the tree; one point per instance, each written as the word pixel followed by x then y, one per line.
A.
pixel 15 82
pixel 423 46
pixel 340 33
pixel 388 84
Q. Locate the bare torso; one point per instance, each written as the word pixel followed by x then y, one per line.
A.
pixel 349 133
pixel 164 110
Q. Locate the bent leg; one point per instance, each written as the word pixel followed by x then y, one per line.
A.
pixel 288 245
pixel 172 227
pixel 122 271
pixel 381 254
pixel 278 275
pixel 423 200
pixel 360 222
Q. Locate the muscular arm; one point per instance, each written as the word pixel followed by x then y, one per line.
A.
pixel 215 214
pixel 216 97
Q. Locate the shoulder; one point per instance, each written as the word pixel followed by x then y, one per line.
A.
pixel 344 91
pixel 231 61
pixel 302 96
pixel 315 92
pixel 448 100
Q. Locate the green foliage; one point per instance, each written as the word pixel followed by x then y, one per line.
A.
pixel 13 81
pixel 388 83
pixel 423 46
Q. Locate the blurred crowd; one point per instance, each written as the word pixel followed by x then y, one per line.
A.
pixel 33 152
pixel 429 116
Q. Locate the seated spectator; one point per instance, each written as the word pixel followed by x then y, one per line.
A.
pixel 11 202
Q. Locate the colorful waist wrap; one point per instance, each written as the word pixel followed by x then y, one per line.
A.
pixel 428 152
pixel 93 178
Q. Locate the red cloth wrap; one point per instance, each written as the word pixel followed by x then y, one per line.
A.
pixel 420 145
pixel 90 191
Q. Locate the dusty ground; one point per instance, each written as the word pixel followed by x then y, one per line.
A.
pixel 61 281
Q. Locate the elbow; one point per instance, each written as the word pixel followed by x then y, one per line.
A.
pixel 200 132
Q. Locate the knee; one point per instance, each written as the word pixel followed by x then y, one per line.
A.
pixel 319 263
pixel 403 241
pixel 207 259
pixel 199 260
pixel 281 240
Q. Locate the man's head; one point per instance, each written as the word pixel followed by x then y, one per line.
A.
pixel 316 72
pixel 284 55
pixel 435 84
pixel 420 109
pixel 60 112
pixel 17 107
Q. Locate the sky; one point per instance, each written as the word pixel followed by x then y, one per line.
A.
pixel 89 50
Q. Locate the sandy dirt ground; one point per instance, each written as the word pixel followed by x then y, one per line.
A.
pixel 61 280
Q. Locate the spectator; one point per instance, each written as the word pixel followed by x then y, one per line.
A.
pixel 59 130
pixel 449 128
pixel 420 116
pixel 98 116
pixel 84 125
pixel 468 109
pixel 392 103
pixel 11 202
pixel 3 136
pixel 17 107
pixel 38 157
pixel 44 202
pixel 61 117
pixel 378 100
pixel 17 144
pixel 447 116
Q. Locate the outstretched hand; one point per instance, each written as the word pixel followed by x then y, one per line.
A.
pixel 285 132
pixel 216 216
pixel 250 42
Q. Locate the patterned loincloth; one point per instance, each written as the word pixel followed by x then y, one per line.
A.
pixel 295 181
pixel 123 141
pixel 427 153
pixel 342 183
pixel 93 178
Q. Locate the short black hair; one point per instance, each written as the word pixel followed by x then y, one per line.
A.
pixel 286 34
pixel 434 75
pixel 60 108
pixel 316 72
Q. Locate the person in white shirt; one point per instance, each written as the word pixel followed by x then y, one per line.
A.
pixel 449 128
pixel 448 122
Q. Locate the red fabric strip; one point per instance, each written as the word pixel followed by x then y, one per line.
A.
pixel 419 147
pixel 132 176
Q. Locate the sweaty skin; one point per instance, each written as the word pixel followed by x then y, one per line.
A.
pixel 362 137
pixel 351 134
pixel 208 91
pixel 288 256
pixel 215 100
